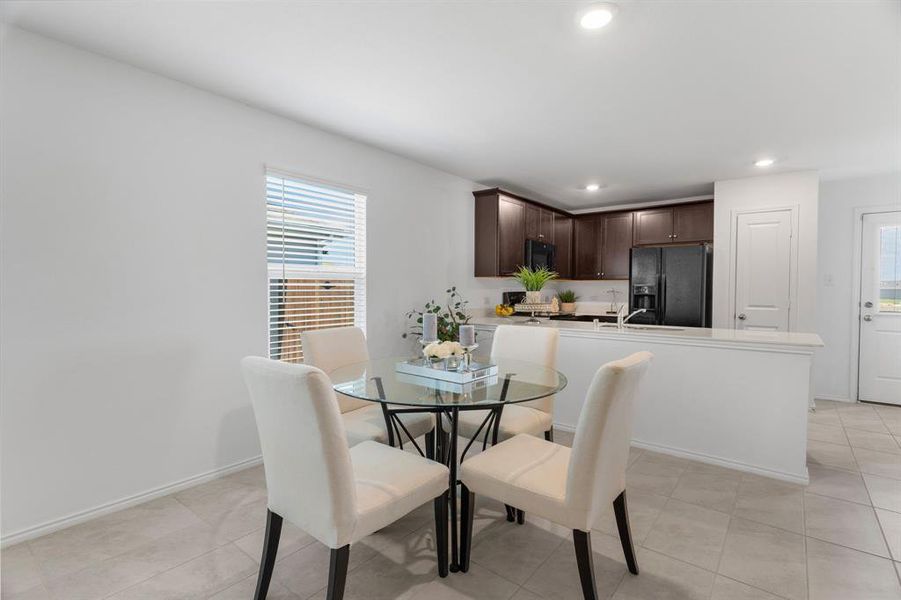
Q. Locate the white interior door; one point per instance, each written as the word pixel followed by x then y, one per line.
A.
pixel 880 308
pixel 763 270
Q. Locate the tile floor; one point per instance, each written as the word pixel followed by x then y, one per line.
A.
pixel 704 533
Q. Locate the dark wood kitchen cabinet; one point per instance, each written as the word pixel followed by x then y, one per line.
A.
pixel 617 243
pixel 693 222
pixel 563 240
pixel 587 247
pixel 653 226
pixel 676 224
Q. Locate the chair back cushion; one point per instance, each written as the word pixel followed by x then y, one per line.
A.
pixel 309 474
pixel 531 344
pixel 600 453
pixel 329 349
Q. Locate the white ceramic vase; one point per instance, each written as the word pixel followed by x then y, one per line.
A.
pixel 533 297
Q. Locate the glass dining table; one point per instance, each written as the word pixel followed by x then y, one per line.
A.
pixel 378 380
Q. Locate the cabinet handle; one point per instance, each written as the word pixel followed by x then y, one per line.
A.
pixel 675 236
pixel 541 235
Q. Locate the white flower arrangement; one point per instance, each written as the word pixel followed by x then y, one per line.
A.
pixel 443 350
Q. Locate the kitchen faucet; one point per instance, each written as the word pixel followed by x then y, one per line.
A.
pixel 621 320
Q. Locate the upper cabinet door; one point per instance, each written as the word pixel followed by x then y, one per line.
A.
pixel 654 226
pixel 586 263
pixel 533 219
pixel 693 223
pixel 617 242
pixel 563 239
pixel 511 239
pixel 546 226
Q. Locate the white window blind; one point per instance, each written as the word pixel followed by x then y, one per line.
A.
pixel 316 252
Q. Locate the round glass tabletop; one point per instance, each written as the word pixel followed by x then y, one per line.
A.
pixel 378 380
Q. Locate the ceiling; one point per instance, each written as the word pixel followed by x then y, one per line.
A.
pixel 670 97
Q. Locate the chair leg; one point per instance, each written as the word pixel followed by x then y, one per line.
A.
pixel 511 513
pixel 430 445
pixel 441 532
pixel 337 572
pixel 520 517
pixel 270 548
pixel 549 434
pixel 467 512
pixel 621 510
pixel 582 542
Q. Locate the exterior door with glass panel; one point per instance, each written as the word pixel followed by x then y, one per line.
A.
pixel 880 308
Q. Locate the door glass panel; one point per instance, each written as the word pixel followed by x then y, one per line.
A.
pixel 890 268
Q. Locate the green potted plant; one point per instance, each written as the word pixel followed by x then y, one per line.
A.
pixel 533 280
pixel 567 301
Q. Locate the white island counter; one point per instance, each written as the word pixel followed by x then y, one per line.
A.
pixel 733 398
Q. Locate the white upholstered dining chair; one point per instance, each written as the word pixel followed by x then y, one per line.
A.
pixel 536 345
pixel 570 487
pixel 329 349
pixel 337 494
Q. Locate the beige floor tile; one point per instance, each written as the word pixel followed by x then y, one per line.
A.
pixel 844 523
pixel 662 577
pixel 136 565
pixel 477 583
pixel 254 477
pixel 37 592
pixel 891 417
pixel 868 421
pixel 558 577
pixel 305 572
pixel 658 485
pixel 765 557
pixel 836 483
pixel 634 454
pixel 382 579
pixel 220 496
pixel 884 492
pixel 830 455
pixel 878 463
pixel 689 533
pixel 771 502
pixel 244 590
pixel 729 589
pixel 708 489
pixel 838 573
pixel 237 521
pixel 834 434
pixel 514 551
pixel 891 528
pixel 824 417
pixel 19 571
pixel 643 512
pixel 291 540
pixel 883 442
pixel 524 594
pixel 654 463
pixel 196 579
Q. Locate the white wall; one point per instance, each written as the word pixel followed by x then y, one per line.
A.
pixel 134 274
pixel 782 190
pixel 835 297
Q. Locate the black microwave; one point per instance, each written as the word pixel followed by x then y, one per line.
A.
pixel 540 254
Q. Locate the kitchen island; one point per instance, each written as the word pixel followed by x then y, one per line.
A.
pixel 733 398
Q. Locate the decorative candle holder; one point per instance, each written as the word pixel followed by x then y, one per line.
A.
pixel 467 356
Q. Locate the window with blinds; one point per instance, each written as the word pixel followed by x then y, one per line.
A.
pixel 316 252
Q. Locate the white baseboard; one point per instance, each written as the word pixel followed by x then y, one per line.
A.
pixel 835 398
pixel 117 505
pixel 710 460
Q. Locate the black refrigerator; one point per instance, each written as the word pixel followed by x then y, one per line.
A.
pixel 672 283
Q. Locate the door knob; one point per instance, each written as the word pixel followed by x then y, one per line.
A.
pixel 867 318
pixel 742 317
pixel 868 304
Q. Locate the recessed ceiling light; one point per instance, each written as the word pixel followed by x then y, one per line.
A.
pixel 597 15
pixel 592 187
pixel 764 162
